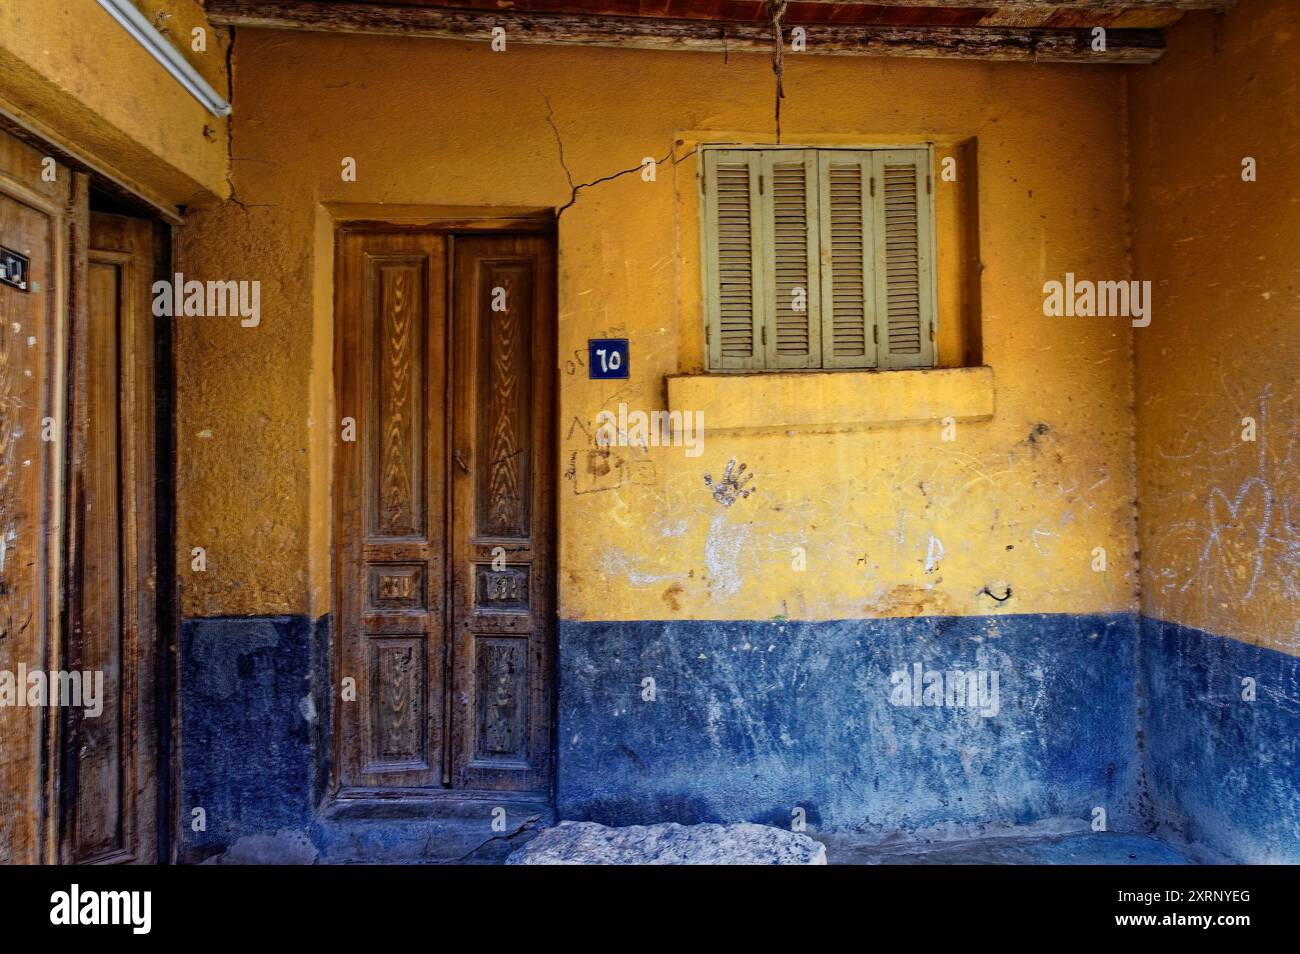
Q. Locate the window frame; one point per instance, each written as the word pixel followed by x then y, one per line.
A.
pixel 870 157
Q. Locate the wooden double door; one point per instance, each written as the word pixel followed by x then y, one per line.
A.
pixel 443 503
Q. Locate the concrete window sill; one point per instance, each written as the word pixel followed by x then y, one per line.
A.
pixel 833 399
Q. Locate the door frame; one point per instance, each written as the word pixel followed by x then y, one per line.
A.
pixel 339 219
pixel 67 229
pixel 69 269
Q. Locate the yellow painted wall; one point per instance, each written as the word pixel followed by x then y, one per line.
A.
pixel 1221 516
pixel 72 74
pixel 1018 500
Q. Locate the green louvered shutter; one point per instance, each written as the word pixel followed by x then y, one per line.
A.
pixel 733 261
pixel 818 258
pixel 791 286
pixel 904 265
pixel 848 260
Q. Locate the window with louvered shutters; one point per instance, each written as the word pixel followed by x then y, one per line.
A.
pixel 818 258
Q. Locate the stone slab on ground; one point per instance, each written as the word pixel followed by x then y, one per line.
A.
pixel 587 843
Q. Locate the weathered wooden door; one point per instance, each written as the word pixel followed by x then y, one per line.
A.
pixel 109 769
pixel 443 503
pixel 33 299
pixel 503 488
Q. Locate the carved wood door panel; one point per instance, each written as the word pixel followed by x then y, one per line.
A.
pixel 503 412
pixel 449 467
pixel 390 508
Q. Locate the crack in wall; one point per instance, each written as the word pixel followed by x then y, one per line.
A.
pixel 230 133
pixel 574 189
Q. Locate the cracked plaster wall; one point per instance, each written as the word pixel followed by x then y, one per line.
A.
pixel 894 522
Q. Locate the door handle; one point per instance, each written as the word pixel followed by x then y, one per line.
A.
pixel 460 460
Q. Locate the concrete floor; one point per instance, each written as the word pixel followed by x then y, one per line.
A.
pixel 1082 848
pixel 452 840
pixel 1087 848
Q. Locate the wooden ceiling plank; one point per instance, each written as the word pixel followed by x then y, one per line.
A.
pixel 1041 4
pixel 1147 19
pixel 1017 17
pixel 1069 19
pixel 1034 45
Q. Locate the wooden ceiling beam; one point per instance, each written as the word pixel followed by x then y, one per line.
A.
pixel 1101 6
pixel 988 43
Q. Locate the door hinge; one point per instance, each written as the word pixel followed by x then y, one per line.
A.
pixel 763 334
pixel 875 334
pixel 873 185
pixel 931 332
pixel 927 185
pixel 708 334
pixel 760 184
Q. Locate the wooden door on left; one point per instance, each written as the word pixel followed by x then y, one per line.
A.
pixel 33 300
pixel 109 766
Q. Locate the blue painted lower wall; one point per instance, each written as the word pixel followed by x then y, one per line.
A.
pixel 1223 773
pixel 753 720
pixel 254 727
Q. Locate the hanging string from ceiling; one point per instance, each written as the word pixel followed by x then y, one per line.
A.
pixel 776 10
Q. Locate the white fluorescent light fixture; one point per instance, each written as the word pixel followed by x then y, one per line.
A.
pixel 156 45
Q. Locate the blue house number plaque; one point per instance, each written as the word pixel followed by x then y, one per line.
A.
pixel 606 358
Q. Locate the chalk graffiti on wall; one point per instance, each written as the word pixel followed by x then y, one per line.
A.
pixel 596 468
pixel 925 528
pixel 1241 542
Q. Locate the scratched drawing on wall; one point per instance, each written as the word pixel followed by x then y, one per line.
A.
pixel 1243 540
